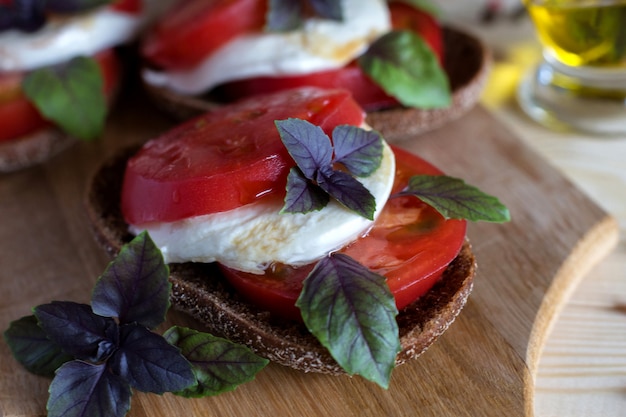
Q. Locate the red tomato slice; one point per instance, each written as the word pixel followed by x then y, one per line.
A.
pixel 128 6
pixel 19 117
pixel 194 29
pixel 226 158
pixel 366 92
pixel 411 244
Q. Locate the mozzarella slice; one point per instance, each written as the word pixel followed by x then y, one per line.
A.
pixel 321 44
pixel 252 237
pixel 63 38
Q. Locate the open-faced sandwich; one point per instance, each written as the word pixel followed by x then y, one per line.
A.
pixel 293 228
pixel 408 73
pixel 59 71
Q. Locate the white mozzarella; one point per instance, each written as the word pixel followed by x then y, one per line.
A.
pixel 63 38
pixel 252 237
pixel 321 44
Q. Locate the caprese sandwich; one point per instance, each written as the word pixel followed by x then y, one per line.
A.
pixel 293 228
pixel 389 54
pixel 59 71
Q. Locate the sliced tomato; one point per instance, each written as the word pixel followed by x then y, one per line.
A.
pixel 128 6
pixel 410 244
pixel 226 158
pixel 365 91
pixel 19 117
pixel 194 29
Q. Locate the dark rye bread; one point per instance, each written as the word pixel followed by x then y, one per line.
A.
pixel 466 62
pixel 200 291
pixel 32 149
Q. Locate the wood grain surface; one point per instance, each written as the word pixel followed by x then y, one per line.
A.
pixel 484 365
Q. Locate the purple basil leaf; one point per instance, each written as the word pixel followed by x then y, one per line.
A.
pixel 73 6
pixel 71 95
pixel 403 65
pixel 349 192
pixel 135 286
pixel 307 144
pixel 284 15
pixel 219 364
pixel 149 363
pixel 80 389
pixel 302 195
pixel 77 330
pixel 352 313
pixel 454 199
pixel 359 150
pixel 328 9
pixel 24 15
pixel 31 347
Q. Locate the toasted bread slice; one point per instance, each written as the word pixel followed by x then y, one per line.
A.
pixel 32 149
pixel 200 291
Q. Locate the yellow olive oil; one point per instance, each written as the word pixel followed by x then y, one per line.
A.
pixel 590 33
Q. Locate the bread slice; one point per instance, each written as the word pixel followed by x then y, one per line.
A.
pixel 200 291
pixel 32 149
pixel 467 62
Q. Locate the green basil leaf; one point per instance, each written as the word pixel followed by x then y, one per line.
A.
pixel 352 313
pixel 405 67
pixel 31 347
pixel 70 95
pixel 77 330
pixel 359 150
pixel 218 364
pixel 349 192
pixel 149 363
pixel 455 199
pixel 135 286
pixel 307 144
pixel 82 389
pixel 302 195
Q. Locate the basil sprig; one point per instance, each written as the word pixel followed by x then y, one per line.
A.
pixel 316 176
pixel 99 353
pixel 71 95
pixel 285 15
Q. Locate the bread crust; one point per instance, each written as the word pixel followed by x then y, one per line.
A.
pixel 200 291
pixel 466 61
pixel 33 148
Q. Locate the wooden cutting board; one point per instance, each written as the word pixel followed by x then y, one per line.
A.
pixel 482 366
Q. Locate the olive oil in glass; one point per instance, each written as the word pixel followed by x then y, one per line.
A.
pixel 581 82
